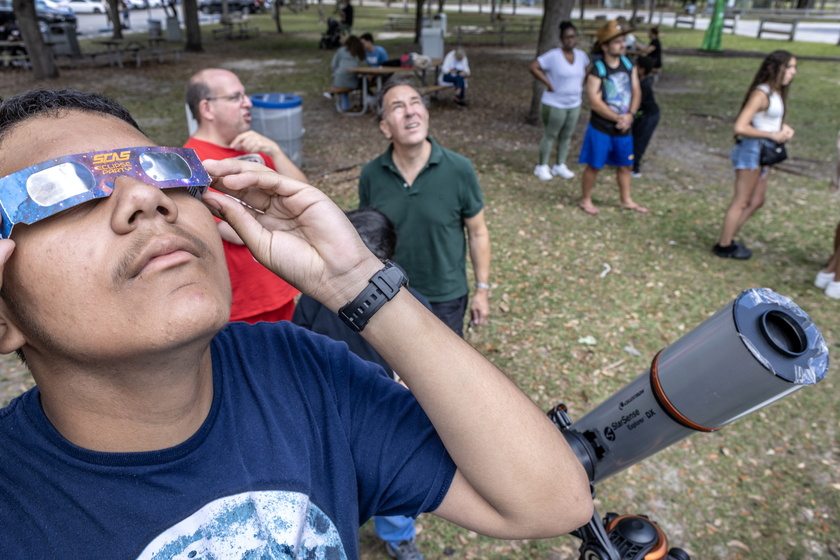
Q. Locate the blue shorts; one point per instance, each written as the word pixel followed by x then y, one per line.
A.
pixel 745 152
pixel 601 149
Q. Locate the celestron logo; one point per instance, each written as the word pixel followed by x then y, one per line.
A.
pixel 631 399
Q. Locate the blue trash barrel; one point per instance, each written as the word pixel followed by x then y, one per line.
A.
pixel 280 117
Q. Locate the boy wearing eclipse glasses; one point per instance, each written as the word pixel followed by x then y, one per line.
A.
pixel 158 430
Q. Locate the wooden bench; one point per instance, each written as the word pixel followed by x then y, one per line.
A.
pixel 159 55
pixel 781 26
pixel 15 61
pixel 336 92
pixel 94 58
pixel 426 90
pixel 688 20
pixel 433 90
pixel 400 21
pixel 501 29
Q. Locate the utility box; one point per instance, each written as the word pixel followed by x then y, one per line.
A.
pixel 431 42
pixel 439 20
pixel 173 29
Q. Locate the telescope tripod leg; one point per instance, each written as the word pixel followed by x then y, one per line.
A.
pixel 596 543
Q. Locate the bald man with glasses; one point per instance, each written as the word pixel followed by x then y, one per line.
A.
pixel 218 102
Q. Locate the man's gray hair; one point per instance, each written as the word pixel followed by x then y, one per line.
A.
pixel 390 84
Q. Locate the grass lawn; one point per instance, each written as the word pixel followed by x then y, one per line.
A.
pixel 766 487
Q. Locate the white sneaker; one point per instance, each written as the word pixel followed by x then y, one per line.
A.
pixel 543 172
pixel 562 171
pixel 635 174
pixel 833 290
pixel 823 279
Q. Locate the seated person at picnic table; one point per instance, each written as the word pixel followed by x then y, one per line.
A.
pixel 454 71
pixel 349 55
pixel 375 55
pixel 157 429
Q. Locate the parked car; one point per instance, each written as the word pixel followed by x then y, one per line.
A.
pixel 244 6
pixel 54 15
pixel 87 6
pixel 46 16
pixel 57 4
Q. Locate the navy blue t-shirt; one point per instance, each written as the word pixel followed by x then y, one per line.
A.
pixel 303 443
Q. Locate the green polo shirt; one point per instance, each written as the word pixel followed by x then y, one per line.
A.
pixel 429 217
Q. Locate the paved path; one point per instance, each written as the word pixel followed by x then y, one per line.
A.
pixel 813 31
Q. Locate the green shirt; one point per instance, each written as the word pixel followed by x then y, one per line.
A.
pixel 429 217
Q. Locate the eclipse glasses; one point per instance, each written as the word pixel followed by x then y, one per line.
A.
pixel 50 187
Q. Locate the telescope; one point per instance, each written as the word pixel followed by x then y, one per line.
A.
pixel 752 352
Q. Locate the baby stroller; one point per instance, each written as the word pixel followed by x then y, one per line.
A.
pixel 331 38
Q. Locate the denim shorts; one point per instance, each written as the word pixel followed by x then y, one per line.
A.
pixel 744 154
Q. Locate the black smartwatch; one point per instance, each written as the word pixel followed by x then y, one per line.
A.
pixel 383 286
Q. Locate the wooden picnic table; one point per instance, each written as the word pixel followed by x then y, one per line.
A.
pixel 382 72
pixel 13 51
pixel 236 27
pixel 131 45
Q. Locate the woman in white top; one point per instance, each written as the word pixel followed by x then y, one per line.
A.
pixel 562 71
pixel 761 117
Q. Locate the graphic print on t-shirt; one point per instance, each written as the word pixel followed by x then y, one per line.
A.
pixel 618 92
pixel 268 524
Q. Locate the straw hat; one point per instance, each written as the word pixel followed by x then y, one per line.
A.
pixel 610 31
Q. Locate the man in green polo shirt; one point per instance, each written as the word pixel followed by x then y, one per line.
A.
pixel 431 194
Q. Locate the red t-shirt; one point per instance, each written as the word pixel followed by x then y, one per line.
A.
pixel 256 290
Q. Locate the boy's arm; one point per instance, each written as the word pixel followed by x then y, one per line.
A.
pixel 517 477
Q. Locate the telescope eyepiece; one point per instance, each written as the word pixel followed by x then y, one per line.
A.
pixel 784 333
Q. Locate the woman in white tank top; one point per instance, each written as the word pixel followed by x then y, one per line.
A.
pixel 761 117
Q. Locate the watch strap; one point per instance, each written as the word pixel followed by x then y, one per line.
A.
pixel 382 287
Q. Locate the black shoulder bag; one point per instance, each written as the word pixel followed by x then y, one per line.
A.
pixel 772 152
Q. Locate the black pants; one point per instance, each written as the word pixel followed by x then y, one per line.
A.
pixel 643 128
pixel 452 313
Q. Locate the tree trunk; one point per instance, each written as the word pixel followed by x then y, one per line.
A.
pixel 275 14
pixel 652 8
pixel 633 15
pixel 190 13
pixel 492 11
pixel 116 19
pixel 40 55
pixel 418 21
pixel 554 11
